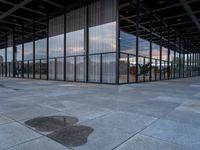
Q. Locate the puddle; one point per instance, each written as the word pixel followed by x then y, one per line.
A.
pixel 49 124
pixel 72 136
pixel 63 129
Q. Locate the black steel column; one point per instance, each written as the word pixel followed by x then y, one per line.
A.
pixel 117 41
pixel 179 57
pixel 183 58
pixel 175 61
pixel 14 54
pixel 168 55
pixel 87 43
pixel 33 49
pixel 187 59
pixel 128 66
pixel 22 70
pixel 190 60
pixel 101 67
pixel 150 53
pixel 161 53
pixel 6 60
pixel 137 39
pixel 65 24
pixel 47 47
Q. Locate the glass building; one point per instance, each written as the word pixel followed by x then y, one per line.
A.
pixel 100 41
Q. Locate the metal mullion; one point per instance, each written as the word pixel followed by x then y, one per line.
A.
pixel 33 49
pixel 22 70
pixel 40 69
pixel 137 39
pixel 28 69
pixel 128 66
pixel 190 61
pixel 86 37
pixel 74 68
pixel 161 53
pixel 183 58
pixel 150 50
pixel 168 55
pixel 175 56
pixel 14 55
pixel 179 57
pixel 101 67
pixel 47 36
pixel 65 30
pixel 6 60
pixel 55 59
pixel 187 60
pixel 117 40
pixel 144 75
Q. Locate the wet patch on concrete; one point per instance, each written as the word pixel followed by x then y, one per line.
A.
pixel 62 129
pixel 53 123
pixel 72 136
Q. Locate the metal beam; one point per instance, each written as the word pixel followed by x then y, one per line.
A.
pixel 190 12
pixel 53 3
pixel 10 11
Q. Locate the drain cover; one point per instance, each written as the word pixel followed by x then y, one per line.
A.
pixel 72 136
pixel 49 124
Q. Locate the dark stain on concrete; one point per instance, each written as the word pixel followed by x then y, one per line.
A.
pixel 72 136
pixel 62 129
pixel 53 123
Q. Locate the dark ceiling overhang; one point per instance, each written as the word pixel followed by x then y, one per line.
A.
pixel 178 17
pixel 17 13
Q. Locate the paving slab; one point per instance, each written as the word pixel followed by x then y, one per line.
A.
pixel 113 129
pixel 30 112
pixel 4 120
pixel 42 143
pixel 142 142
pixel 14 133
pixel 174 132
pixel 152 108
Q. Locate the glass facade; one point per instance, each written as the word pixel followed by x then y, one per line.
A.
pixel 2 62
pixel 100 42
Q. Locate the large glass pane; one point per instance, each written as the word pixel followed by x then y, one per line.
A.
pixel 2 62
pixel 41 49
pixel 127 43
pixel 70 68
pixel 75 45
pixel 52 68
pixel 109 68
pixel 56 48
pixel 123 68
pixel 28 51
pixel 94 68
pixel 19 61
pixel 102 36
pixel 9 61
pixel 80 68
pixel 60 69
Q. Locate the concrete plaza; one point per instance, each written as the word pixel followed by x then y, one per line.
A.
pixel 162 115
